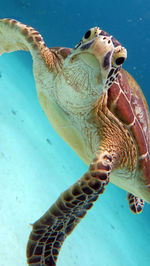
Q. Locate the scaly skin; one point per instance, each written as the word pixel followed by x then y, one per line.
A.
pixel 99 110
pixel 50 231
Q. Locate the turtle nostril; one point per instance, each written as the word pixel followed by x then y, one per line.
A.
pixel 120 60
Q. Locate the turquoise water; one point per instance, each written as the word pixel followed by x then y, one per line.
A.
pixel 36 165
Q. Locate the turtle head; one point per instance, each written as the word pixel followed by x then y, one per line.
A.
pixel 98 45
pixel 89 70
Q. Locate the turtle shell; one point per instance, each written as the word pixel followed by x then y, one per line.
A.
pixel 127 102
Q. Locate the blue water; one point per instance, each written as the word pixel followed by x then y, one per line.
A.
pixel 36 165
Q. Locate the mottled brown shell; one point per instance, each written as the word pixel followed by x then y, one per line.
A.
pixel 127 102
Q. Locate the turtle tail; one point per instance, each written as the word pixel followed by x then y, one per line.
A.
pixel 50 231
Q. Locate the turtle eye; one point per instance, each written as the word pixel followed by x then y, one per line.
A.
pixel 120 60
pixel 90 34
pixel 119 56
pixel 87 34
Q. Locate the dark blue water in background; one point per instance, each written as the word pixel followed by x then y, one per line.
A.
pixel 63 23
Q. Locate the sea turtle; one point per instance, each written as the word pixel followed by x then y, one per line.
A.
pixel 100 111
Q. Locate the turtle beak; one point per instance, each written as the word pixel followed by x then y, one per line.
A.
pixel 102 48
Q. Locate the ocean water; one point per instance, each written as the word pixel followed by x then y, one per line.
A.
pixel 35 163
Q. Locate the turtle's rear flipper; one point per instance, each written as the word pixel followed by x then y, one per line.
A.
pixel 50 231
pixel 135 203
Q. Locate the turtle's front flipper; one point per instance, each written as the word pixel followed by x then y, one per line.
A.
pixel 18 36
pixel 15 35
pixel 50 231
pixel 135 203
